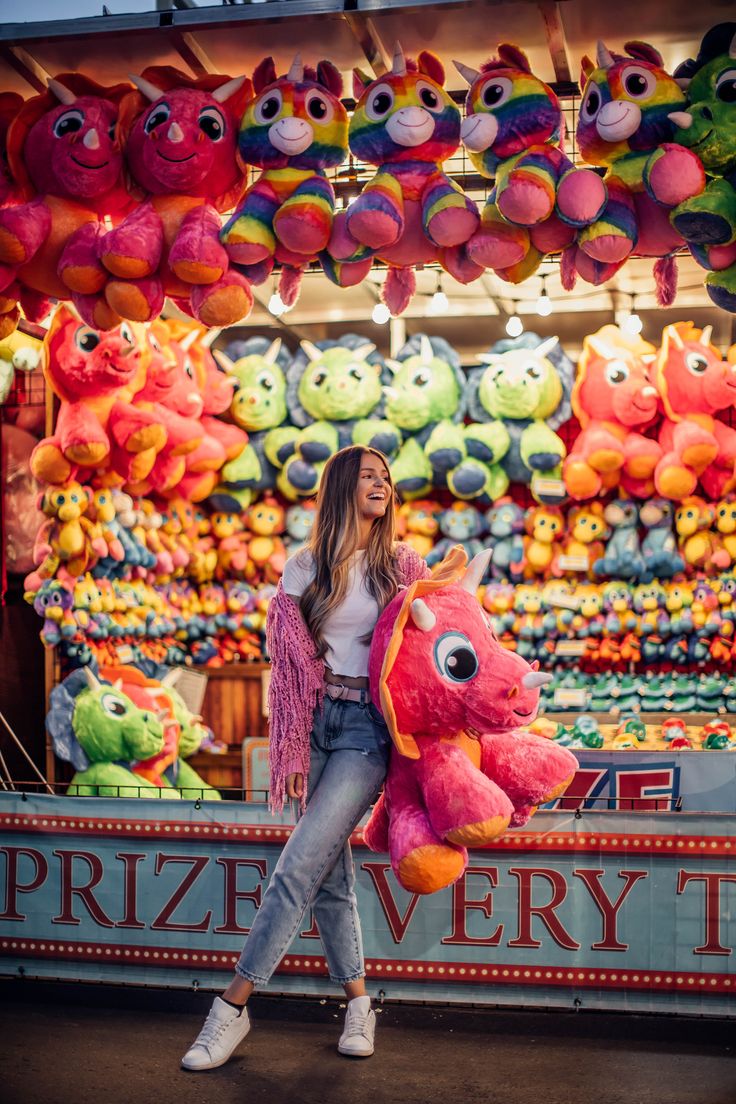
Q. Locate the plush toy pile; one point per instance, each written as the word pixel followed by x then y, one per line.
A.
pixel 159 205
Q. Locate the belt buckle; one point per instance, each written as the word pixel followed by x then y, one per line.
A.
pixel 333 691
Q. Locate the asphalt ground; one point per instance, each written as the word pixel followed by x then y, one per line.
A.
pixel 66 1043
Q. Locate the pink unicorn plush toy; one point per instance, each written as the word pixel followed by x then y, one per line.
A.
pixel 453 699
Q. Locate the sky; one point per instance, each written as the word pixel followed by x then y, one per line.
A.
pixel 17 11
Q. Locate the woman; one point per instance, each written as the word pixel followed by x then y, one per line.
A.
pixel 328 743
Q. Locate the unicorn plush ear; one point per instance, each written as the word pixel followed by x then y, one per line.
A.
pixel 329 77
pixel 361 81
pixel 431 66
pixel 642 51
pixel 264 74
pixel 514 57
pixel 587 67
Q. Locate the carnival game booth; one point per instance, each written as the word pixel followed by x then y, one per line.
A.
pixel 495 307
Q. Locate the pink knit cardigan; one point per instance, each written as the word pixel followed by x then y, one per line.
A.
pixel 297 680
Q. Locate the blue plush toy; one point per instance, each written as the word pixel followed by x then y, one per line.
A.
pixel 462 523
pixel 506 527
pixel 623 558
pixel 659 547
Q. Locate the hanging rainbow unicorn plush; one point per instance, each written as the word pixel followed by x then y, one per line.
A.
pixel 624 124
pixel 293 130
pixel 411 212
pixel 512 133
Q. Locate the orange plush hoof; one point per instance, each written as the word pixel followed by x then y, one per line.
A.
pixel 430 868
pixel 676 482
pixel 483 831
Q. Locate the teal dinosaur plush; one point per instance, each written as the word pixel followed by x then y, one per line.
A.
pixel 98 729
pixel 518 398
pixel 258 368
pixel 335 398
pixel 707 222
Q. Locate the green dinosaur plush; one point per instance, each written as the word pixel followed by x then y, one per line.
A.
pixel 99 730
pixel 708 126
pixel 258 405
pixel 517 399
pixel 426 399
pixel 335 398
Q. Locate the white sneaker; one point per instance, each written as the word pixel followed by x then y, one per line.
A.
pixel 360 1026
pixel 223 1029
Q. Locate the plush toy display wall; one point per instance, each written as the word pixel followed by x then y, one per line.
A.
pixel 161 206
pixel 176 479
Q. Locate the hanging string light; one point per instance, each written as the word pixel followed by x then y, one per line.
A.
pixel 632 323
pixel 514 325
pixel 381 314
pixel 544 303
pixel 439 302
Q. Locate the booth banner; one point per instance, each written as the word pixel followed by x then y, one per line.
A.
pixel 690 781
pixel 632 910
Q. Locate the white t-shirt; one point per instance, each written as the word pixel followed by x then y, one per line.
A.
pixel 353 618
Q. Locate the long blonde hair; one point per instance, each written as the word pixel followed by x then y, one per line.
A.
pixel 335 536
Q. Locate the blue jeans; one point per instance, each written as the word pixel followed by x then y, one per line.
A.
pixel 349 756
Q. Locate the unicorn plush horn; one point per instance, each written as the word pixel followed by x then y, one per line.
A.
pixel 603 56
pixel 398 66
pixel 469 75
pixel 296 70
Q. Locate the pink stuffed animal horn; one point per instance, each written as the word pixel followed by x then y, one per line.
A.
pixel 150 91
pixel 475 571
pixel 422 615
pixel 64 95
pixel 535 679
pixel 296 70
pixel 225 91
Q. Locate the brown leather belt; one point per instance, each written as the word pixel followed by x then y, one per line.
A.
pixel 338 692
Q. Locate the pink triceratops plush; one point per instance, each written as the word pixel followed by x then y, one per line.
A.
pixel 180 137
pixel 410 213
pixel 65 160
pixel 461 771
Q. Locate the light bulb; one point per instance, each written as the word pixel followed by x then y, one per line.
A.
pixel 438 304
pixel 632 324
pixel 544 305
pixel 276 305
pixel 381 314
pixel 514 326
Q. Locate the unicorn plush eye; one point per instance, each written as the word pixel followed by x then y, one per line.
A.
pixel 68 123
pixel 267 110
pixel 319 107
pixel 428 96
pixel 157 118
pixel 616 372
pixel 212 123
pixel 455 657
pixel 726 86
pixel 380 102
pixel 496 91
pixel 591 105
pixel 638 82
pixel 86 340
pixel 696 363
